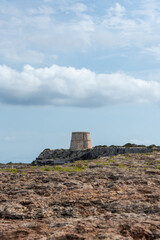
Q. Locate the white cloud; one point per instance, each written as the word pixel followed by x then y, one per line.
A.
pixel 42 10
pixel 117 11
pixel 153 51
pixel 121 27
pixel 77 8
pixel 52 27
pixel 21 55
pixel 68 86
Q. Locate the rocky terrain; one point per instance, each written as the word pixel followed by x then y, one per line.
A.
pixel 61 156
pixel 111 197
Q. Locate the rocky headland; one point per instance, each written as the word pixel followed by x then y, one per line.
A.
pixel 62 156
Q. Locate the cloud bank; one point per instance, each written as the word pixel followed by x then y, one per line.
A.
pixel 67 86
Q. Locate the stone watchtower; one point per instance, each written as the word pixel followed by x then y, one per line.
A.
pixel 80 141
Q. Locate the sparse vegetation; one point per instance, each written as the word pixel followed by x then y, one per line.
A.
pixel 23 172
pixel 131 168
pixel 47 168
pixel 113 146
pixel 76 169
pixel 9 163
pixel 144 154
pixel 127 158
pixel 33 167
pixel 130 145
pixel 11 170
pixel 147 163
pixel 87 161
pixel 111 160
pixel 78 166
pixel 62 169
pixel 120 165
pixel 102 163
pixel 152 146
pixel 100 146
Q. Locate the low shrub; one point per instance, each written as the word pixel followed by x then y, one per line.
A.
pixel 130 145
pixel 80 164
pixel 9 163
pixel 152 146
pixel 100 146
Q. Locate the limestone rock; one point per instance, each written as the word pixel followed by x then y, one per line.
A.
pixel 62 156
pixel 113 198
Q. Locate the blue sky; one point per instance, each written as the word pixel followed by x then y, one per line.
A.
pixel 72 65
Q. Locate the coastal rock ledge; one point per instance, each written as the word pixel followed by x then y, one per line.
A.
pixel 62 156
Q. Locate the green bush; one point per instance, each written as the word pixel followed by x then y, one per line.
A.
pixel 9 163
pixel 130 145
pixel 152 146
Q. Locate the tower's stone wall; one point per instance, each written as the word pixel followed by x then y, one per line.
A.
pixel 80 141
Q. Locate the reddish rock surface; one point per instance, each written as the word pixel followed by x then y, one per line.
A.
pixel 111 198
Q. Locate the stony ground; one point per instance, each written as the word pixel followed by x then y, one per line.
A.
pixel 108 198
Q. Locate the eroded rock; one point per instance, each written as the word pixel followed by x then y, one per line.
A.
pixel 111 198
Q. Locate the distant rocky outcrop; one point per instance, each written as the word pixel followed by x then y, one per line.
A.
pixel 62 156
